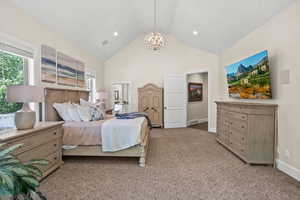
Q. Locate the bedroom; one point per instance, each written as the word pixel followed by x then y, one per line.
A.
pixel 181 163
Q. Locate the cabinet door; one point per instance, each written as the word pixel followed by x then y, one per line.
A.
pixel 156 108
pixel 144 103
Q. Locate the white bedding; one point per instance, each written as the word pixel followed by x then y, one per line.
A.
pixel 119 134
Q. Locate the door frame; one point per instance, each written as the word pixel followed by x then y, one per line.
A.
pixel 129 92
pixel 203 70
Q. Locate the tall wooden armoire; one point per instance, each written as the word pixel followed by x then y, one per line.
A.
pixel 151 102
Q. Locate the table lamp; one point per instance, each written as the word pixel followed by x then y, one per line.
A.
pixel 102 97
pixel 25 118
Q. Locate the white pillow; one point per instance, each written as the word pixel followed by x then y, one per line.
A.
pixel 62 111
pixel 73 113
pixel 84 113
pixel 85 103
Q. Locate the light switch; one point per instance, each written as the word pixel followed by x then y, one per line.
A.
pixel 285 77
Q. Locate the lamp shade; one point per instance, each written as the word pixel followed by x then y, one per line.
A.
pixel 24 93
pixel 102 95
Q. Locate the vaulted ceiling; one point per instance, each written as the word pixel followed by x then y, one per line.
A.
pixel 219 23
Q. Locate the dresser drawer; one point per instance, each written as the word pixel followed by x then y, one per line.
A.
pixel 42 151
pixel 237 138
pixel 36 139
pixel 54 159
pixel 237 146
pixel 238 116
pixel 239 126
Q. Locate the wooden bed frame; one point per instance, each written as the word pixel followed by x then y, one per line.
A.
pixel 53 95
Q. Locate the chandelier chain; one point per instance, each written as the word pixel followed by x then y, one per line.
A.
pixel 154 40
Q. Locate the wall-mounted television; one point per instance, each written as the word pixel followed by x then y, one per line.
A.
pixel 250 78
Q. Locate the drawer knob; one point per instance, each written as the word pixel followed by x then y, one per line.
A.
pixel 243 126
pixel 54 133
pixel 55 158
pixel 55 145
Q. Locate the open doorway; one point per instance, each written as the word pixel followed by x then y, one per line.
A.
pixel 121 97
pixel 197 100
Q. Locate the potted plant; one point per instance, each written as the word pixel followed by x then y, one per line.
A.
pixel 19 180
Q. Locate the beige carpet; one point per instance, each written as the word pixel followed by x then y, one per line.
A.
pixel 183 164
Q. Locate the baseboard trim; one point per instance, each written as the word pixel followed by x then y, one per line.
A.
pixel 196 121
pixel 288 169
pixel 212 130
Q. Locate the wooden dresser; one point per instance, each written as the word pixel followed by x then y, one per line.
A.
pixel 44 141
pixel 151 102
pixel 248 130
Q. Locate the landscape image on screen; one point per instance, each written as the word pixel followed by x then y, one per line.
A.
pixel 250 78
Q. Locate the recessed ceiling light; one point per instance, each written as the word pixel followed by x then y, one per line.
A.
pixel 195 32
pixel 116 33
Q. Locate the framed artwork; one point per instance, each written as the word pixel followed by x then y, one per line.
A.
pixel 48 64
pixel 66 70
pixel 116 94
pixel 56 67
pixel 80 74
pixel 250 78
pixel 195 92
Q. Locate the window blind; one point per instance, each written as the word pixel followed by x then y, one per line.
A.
pixel 15 50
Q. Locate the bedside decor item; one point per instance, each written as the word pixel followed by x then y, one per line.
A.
pixel 25 118
pixel 195 92
pixel 19 180
pixel 102 96
pixel 154 40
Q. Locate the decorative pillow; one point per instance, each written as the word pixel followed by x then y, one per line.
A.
pixel 73 112
pixel 61 109
pixel 97 111
pixel 84 113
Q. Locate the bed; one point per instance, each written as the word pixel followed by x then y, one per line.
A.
pixel 88 145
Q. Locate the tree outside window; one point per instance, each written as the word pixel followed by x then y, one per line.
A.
pixel 11 73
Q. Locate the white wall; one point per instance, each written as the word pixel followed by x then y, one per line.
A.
pixel 24 28
pixel 281 37
pixel 139 65
pixel 198 110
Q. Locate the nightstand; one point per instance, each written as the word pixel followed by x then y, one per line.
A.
pixel 44 141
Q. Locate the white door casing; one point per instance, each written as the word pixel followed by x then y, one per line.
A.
pixel 175 97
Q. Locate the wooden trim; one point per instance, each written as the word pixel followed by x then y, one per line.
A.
pixel 246 103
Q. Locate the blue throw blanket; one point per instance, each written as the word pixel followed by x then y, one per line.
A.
pixel 134 115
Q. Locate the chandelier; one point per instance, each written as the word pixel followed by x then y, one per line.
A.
pixel 154 40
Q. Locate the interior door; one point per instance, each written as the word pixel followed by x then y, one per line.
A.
pixel 175 97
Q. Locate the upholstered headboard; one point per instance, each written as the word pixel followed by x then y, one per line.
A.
pixel 54 95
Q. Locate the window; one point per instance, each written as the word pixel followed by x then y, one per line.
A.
pixel 91 85
pixel 14 70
